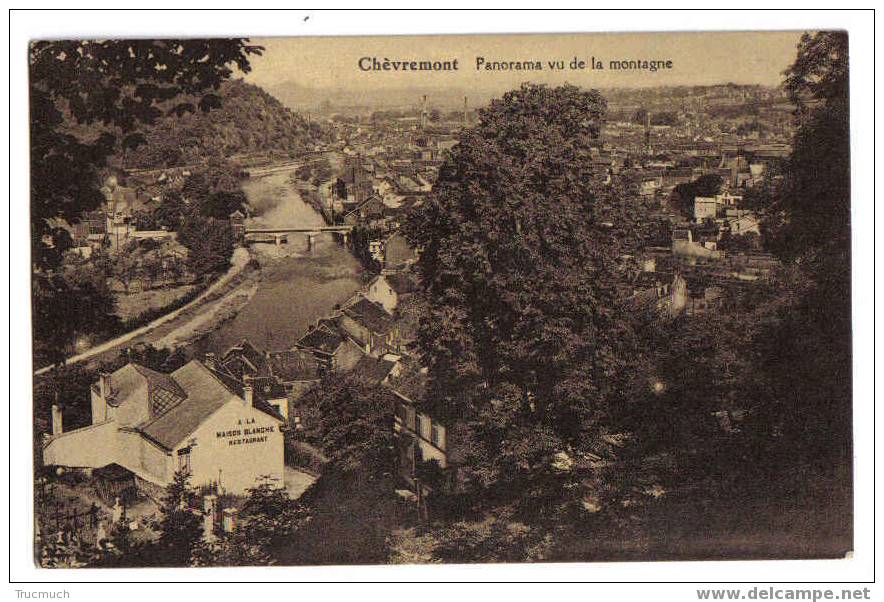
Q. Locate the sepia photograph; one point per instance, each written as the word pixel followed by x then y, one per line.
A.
pixel 441 299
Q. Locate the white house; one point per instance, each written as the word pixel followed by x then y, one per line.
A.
pixel 154 424
pixel 743 222
pixel 391 289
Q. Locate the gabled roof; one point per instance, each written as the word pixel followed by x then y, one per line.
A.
pixel 126 385
pixel 371 315
pixel 401 282
pixel 322 338
pixel 247 351
pixel 158 379
pixel 371 370
pixel 294 365
pixel 207 395
pixel 207 392
pixel 260 391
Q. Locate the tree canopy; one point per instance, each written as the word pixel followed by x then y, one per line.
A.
pixel 113 86
pixel 88 101
pixel 527 341
pixel 808 226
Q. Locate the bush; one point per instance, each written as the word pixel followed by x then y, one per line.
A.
pixel 303 456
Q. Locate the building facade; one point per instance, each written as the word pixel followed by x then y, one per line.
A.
pixel 154 424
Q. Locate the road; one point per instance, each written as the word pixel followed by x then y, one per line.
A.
pixel 294 288
pixel 178 322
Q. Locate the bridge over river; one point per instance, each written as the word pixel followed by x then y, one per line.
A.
pixel 305 158
pixel 295 288
pixel 280 235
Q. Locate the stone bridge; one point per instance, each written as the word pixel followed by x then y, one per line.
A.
pixel 280 235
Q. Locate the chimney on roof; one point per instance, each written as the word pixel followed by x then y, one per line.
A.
pixel 56 420
pixel 211 362
pixel 104 386
pixel 248 394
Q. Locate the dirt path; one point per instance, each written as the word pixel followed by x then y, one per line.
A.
pixel 177 319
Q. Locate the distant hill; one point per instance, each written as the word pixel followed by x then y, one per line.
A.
pixel 303 98
pixel 249 121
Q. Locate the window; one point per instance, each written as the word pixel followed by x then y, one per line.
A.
pixel 436 436
pixel 425 426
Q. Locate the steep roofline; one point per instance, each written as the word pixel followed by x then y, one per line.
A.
pixel 233 397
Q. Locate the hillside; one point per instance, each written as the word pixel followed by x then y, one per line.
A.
pixel 249 121
pixel 327 100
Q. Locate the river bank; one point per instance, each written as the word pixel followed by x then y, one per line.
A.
pixel 297 286
pixel 272 306
pixel 175 325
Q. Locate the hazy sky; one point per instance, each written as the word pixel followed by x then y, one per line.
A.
pixel 698 58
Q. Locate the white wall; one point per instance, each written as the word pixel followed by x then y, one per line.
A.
pixel 221 442
pixel 89 447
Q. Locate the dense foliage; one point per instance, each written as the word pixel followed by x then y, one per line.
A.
pixel 683 195
pixel 247 121
pixel 353 504
pixel 267 521
pixel 113 87
pixel 529 345
pixel 808 226
pixel 88 101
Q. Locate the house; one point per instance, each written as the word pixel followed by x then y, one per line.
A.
pixel 370 325
pixel 93 226
pixel 684 246
pixel 398 252
pixel 238 223
pixel 664 290
pixel 296 369
pixel 333 349
pixel 741 221
pixel 373 213
pixel 354 185
pixel 240 361
pixel 154 424
pixel 705 208
pixel 279 377
pixel 650 186
pixel 375 371
pixel 421 440
pixel 390 289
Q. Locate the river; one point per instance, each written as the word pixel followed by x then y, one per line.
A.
pixel 297 286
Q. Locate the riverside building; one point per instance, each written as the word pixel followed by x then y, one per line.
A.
pixel 154 424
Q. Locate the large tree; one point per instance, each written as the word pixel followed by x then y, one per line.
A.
pixel 528 343
pixel 353 506
pixel 209 243
pixel 108 88
pixel 88 100
pixel 180 524
pixel 683 195
pixel 808 226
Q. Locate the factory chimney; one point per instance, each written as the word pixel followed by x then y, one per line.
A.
pixel 466 114
pixel 424 113
pixel 648 132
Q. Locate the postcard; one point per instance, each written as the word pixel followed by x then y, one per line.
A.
pixel 441 299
